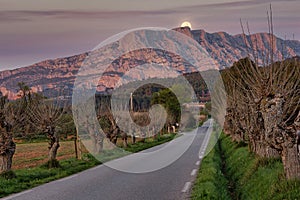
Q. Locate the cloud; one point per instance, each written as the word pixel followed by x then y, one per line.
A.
pixel 28 15
pixel 235 4
pixel 10 17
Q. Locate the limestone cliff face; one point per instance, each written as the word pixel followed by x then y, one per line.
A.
pixel 44 76
pixel 225 49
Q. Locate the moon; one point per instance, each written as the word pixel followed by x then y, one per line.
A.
pixel 186 24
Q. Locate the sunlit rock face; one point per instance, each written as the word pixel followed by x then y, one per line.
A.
pixel 225 49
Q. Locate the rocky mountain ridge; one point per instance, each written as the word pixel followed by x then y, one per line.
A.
pixel 47 76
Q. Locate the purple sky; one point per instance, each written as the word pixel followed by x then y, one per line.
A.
pixel 33 31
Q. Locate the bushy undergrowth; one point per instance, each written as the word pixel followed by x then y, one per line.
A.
pixel 246 175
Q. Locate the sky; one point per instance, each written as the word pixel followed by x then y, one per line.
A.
pixel 36 30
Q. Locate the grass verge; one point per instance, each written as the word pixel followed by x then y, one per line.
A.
pixel 211 182
pixel 27 178
pixel 255 177
pixel 229 171
pixel 31 177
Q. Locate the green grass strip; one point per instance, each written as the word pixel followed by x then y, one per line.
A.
pixel 230 171
pixel 32 177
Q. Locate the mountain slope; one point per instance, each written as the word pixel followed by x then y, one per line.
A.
pixel 225 49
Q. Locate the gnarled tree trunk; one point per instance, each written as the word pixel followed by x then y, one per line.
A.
pixel 124 138
pixel 53 150
pixel 281 136
pixel 53 146
pixel 133 139
pixel 291 162
pixel 97 139
pixel 265 151
pixel 7 147
pixel 6 156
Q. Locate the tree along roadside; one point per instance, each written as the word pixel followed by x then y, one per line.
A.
pixel 31 177
pixel 230 171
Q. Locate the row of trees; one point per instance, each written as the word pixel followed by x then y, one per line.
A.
pixel 32 113
pixel 110 122
pixel 263 104
pixel 263 109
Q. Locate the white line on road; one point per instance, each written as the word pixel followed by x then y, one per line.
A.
pixel 198 163
pixel 186 187
pixel 193 173
pixel 16 195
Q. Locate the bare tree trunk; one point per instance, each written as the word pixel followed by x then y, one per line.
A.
pixel 6 158
pixel 53 150
pixel 79 149
pixel 291 162
pixel 77 146
pixel 265 151
pixel 133 139
pixel 237 137
pixel 53 147
pixel 99 143
pixel 125 144
pixel 124 138
pixel 272 153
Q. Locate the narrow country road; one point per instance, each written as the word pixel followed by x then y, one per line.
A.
pixel 104 183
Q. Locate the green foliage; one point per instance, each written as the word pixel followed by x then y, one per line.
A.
pixel 149 142
pixel 142 96
pixel 182 92
pixel 31 177
pixel 246 175
pixel 52 164
pixel 8 175
pixel 254 177
pixel 168 99
pixel 211 182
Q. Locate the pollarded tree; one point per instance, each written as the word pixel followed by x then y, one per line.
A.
pixel 273 95
pixel 113 128
pixel 10 115
pixel 244 89
pixel 272 92
pixel 47 116
pixel 280 107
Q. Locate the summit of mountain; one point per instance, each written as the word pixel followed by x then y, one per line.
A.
pixel 224 49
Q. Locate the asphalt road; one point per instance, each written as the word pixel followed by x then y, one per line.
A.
pixel 105 183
